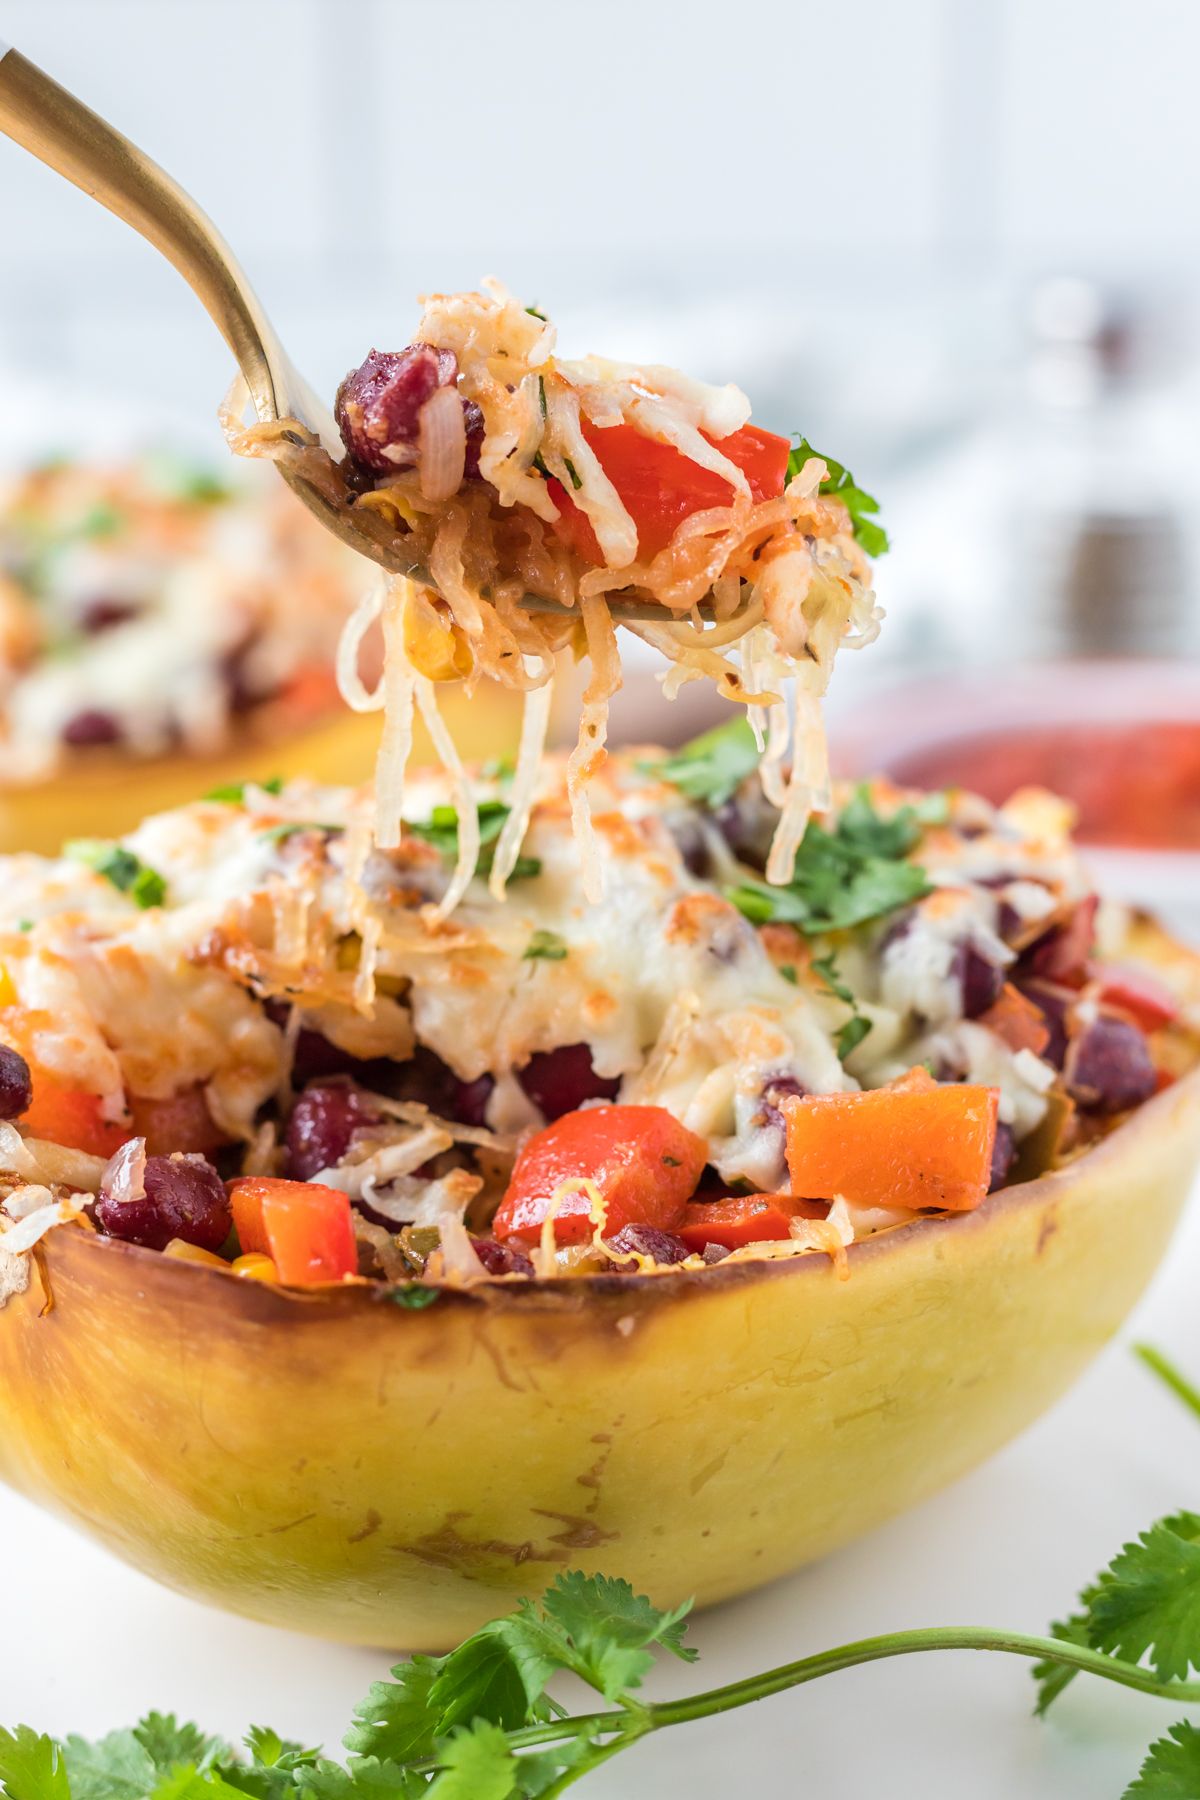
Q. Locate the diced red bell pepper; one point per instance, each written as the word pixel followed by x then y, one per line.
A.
pixel 303 1226
pixel 1063 954
pixel 744 1219
pixel 59 1112
pixel 906 1146
pixel 1146 1001
pixel 659 487
pixel 1017 1021
pixel 643 1161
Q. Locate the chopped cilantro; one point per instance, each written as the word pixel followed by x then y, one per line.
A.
pixel 788 971
pixel 856 1028
pixel 545 946
pixel 233 793
pixel 842 486
pixel 713 766
pixel 127 872
pixel 843 876
pixel 576 479
pixel 413 1296
pixel 535 313
pixel 24 924
pixel 441 830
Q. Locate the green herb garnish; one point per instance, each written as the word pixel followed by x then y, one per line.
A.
pixel 127 872
pixel 844 875
pixel 479 1724
pixel 413 1296
pixel 857 1026
pixel 713 766
pixel 233 793
pixel 534 313
pixel 545 946
pixel 100 521
pixel 441 830
pixel 841 484
pixel 24 924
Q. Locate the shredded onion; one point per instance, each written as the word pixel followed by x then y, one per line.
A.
pixel 396 744
pixel 441 444
pixel 124 1177
pixel 350 683
pixel 468 811
pixel 460 1260
pixel 535 722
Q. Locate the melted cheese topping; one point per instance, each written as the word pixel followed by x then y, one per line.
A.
pixel 679 998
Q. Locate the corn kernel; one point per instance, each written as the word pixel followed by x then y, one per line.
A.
pixel 433 644
pixel 192 1253
pixel 254 1266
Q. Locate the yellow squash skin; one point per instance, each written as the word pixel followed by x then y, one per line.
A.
pixel 336 1464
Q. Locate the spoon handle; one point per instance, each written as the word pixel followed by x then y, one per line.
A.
pixel 65 134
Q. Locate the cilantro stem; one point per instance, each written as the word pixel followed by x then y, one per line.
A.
pixel 1166 1371
pixel 657 1716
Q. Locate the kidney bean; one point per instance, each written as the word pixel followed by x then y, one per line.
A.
pixel 102 614
pixel 980 980
pixel 16 1083
pixel 91 728
pixel 501 1259
pixel 184 1198
pixel 647 1240
pixel 322 1127
pixel 559 1081
pixel 1053 1003
pixel 378 404
pixel 1108 1066
pixel 1004 1153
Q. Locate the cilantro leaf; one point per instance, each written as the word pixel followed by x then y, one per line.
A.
pixel 611 1628
pixel 395 1721
pixel 127 872
pixel 116 1767
pixel 168 1743
pixel 713 766
pixel 851 1035
pixel 484 1679
pixel 441 830
pixel 545 946
pixel 1148 1600
pixel 233 793
pixel 856 1028
pixel 841 484
pixel 412 1296
pixel 1171 1770
pixel 32 1766
pixel 831 981
pixel 477 1764
pixel 188 1783
pixel 367 1778
pixel 844 875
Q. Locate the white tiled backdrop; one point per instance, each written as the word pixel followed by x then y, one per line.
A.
pixel 873 184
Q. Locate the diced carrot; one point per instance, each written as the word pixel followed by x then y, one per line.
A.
pixel 1017 1021
pixel 304 1227
pixel 902 1146
pixel 743 1219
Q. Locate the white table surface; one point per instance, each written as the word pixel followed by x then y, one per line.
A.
pixel 86 1644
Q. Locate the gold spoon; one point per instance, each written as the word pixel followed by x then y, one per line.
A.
pixel 66 135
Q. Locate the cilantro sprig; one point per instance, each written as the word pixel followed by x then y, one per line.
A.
pixel 126 872
pixel 480 1723
pixel 441 830
pixel 840 483
pixel 848 874
pixel 857 1026
pixel 713 766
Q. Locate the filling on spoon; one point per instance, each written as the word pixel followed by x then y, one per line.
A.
pixel 506 472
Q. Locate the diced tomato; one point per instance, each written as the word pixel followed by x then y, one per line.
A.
pixel 643 1161
pixel 660 488
pixel 303 1226
pixel 743 1219
pixel 1017 1021
pixel 181 1123
pixel 1133 991
pixel 59 1112
pixel 904 1146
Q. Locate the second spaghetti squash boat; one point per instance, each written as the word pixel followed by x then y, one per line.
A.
pixel 265 1086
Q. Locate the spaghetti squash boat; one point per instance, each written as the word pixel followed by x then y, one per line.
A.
pixel 161 632
pixel 364 1264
